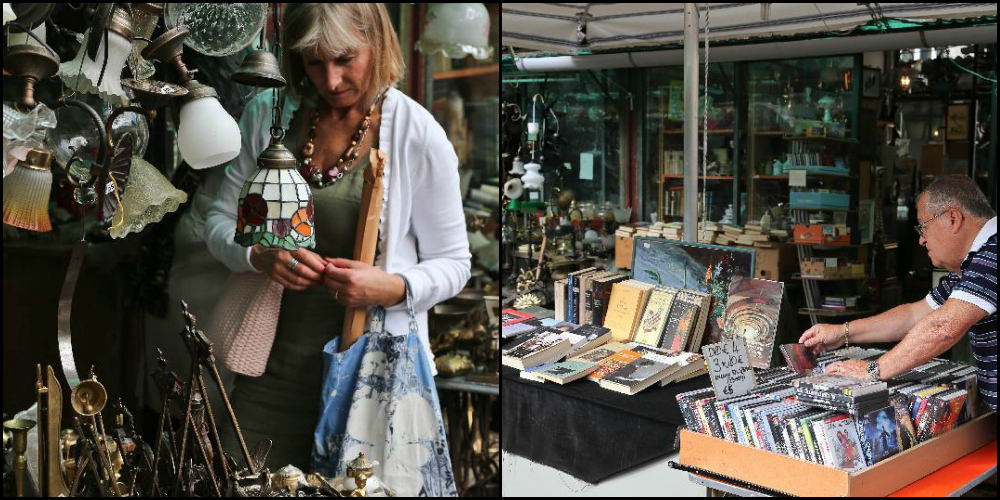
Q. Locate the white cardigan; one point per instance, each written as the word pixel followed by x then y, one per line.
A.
pixel 423 233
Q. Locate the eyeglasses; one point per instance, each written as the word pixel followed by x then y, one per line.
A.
pixel 920 227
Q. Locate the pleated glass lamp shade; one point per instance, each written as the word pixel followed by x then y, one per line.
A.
pixel 26 192
pixel 85 78
pixel 207 135
pixel 276 206
pixel 148 198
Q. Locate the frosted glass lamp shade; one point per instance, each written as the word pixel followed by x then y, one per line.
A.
pixel 85 78
pixel 207 136
pixel 457 30
pixel 148 198
pixel 8 13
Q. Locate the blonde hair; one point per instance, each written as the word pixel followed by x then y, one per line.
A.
pixel 334 29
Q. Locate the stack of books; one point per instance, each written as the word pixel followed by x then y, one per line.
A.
pixel 844 303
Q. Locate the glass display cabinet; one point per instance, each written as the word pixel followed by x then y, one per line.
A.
pixel 664 175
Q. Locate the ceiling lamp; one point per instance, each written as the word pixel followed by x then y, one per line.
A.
pixel 457 30
pixel 99 72
pixel 217 29
pixel 207 135
pixel 26 192
pixel 276 207
pixel 148 198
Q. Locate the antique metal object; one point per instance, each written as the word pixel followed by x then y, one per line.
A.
pixel 50 402
pixel 260 69
pixel 168 49
pixel 153 94
pixel 360 470
pixel 19 434
pixel 89 398
pixel 30 64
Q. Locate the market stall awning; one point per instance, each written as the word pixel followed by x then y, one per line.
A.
pixel 577 28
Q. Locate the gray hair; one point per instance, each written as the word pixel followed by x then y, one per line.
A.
pixel 958 191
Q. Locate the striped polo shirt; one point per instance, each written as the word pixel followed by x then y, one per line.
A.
pixel 977 285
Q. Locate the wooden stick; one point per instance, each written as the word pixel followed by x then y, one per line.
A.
pixel 366 241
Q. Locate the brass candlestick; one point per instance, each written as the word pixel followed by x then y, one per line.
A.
pixel 19 433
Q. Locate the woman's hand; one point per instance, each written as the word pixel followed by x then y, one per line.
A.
pixel 275 263
pixel 356 284
pixel 823 337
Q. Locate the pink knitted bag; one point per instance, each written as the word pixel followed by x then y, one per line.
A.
pixel 244 322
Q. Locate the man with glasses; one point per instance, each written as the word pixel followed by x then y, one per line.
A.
pixel 958 227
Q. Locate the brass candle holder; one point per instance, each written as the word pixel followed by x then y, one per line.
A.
pixel 19 434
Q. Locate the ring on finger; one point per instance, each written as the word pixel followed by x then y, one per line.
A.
pixel 292 264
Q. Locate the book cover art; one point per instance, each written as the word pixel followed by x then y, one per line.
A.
pixel 752 313
pixel 637 372
pixel 693 266
pixel 612 364
pixel 567 370
pixel 650 327
pixel 536 344
pixel 680 326
pixel 510 317
pixel 844 445
pixel 800 359
pixel 600 354
pixel 879 433
pixel 622 311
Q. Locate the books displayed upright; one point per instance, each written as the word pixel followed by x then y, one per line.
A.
pixel 600 295
pixel 573 292
pixel 654 318
pixel 686 324
pixel 628 299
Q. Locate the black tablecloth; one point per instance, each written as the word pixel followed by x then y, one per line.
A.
pixel 586 431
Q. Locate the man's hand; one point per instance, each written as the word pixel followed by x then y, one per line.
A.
pixel 823 337
pixel 852 368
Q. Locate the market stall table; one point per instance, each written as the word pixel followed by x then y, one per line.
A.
pixel 586 431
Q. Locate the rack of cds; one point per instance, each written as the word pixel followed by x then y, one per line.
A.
pixel 817 434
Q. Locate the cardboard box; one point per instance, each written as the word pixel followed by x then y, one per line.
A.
pixel 829 235
pixel 776 264
pixel 800 478
pixel 623 252
pixel 808 235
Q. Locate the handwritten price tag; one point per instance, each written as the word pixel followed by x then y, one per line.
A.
pixel 730 368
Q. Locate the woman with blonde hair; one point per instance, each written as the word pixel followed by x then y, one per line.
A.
pixel 342 61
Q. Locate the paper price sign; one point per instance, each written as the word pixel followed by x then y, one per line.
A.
pixel 730 369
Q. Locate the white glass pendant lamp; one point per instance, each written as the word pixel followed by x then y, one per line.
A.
pixel 207 135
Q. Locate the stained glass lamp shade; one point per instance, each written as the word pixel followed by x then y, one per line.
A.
pixel 276 206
